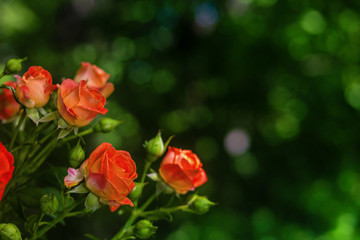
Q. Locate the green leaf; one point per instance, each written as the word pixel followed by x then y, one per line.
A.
pixel 33 114
pixel 17 206
pixel 160 215
pixel 90 236
pixel 30 197
pixel 62 123
pixel 42 111
pixel 81 188
pixel 49 117
pixel 154 176
pixel 64 132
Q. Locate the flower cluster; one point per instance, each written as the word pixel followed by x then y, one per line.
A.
pixel 106 177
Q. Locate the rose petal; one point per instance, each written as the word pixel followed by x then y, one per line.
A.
pixel 175 177
pixel 73 178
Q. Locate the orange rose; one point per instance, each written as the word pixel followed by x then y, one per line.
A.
pixel 95 77
pixel 8 106
pixel 108 173
pixel 182 170
pixel 6 169
pixel 35 87
pixel 78 104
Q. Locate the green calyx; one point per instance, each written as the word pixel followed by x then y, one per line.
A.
pixel 49 204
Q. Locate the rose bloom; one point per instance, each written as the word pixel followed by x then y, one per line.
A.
pixel 95 77
pixel 78 104
pixel 35 87
pixel 6 169
pixel 108 173
pixel 8 106
pixel 182 170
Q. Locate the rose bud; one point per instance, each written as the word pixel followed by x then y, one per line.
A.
pixel 155 147
pixel 144 229
pixel 108 173
pixel 76 156
pixel 78 104
pixel 13 66
pixel 35 87
pixel 49 204
pixel 95 77
pixel 7 168
pixel 137 190
pixel 92 202
pixel 106 125
pixel 182 170
pixel 8 105
pixel 200 204
pixel 9 231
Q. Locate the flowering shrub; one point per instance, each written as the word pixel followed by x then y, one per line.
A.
pixel 34 126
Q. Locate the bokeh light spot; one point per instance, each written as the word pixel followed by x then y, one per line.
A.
pixel 123 48
pixel 237 142
pixel 167 17
pixel 263 220
pixel 287 126
pixel 246 165
pixel 163 81
pixel 206 148
pixel 176 121
pixel 161 38
pixel 200 116
pixel 352 94
pixel 16 17
pixel 140 72
pixel 143 11
pixel 84 53
pixel 297 108
pixel 349 21
pixel 206 15
pixel 313 22
pixel 266 3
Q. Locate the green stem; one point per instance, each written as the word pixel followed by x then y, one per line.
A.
pixel 83 133
pixel 167 210
pixel 146 169
pixel 41 156
pixel 41 142
pixel 134 215
pixel 2 74
pixel 57 220
pixel 37 225
pixel 22 118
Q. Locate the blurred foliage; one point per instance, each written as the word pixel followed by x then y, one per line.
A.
pixel 266 92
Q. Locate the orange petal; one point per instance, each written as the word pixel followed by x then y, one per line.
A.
pixel 175 177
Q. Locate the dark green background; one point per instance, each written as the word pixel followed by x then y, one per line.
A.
pixel 286 72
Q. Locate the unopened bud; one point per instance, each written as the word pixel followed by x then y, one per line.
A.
pixel 49 204
pixel 13 66
pixel 9 231
pixel 106 125
pixel 76 156
pixel 137 190
pixel 155 147
pixel 200 204
pixel 144 229
pixel 92 202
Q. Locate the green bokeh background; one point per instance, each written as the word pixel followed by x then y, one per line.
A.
pixel 280 75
